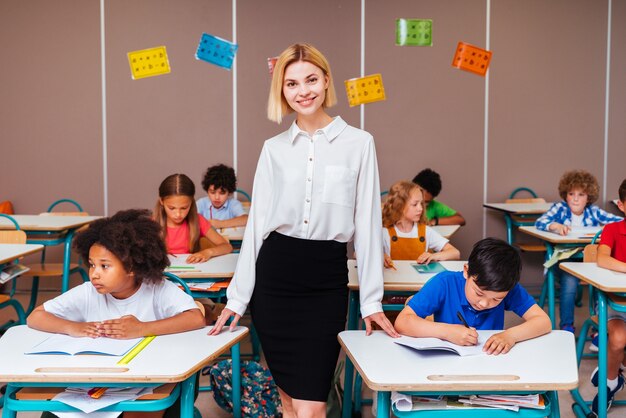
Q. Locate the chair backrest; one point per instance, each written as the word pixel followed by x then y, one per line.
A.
pixel 70 201
pixel 244 194
pixel 522 189
pixel 12 237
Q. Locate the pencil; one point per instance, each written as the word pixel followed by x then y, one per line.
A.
pixel 392 265
pixel 96 393
pixel 458 314
pixel 136 350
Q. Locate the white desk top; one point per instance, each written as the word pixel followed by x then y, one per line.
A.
pixel 446 231
pixel 233 234
pixel 520 208
pixel 603 279
pixel 405 277
pixel 582 235
pixel 169 358
pixel 222 267
pixel 544 363
pixel 46 222
pixel 9 252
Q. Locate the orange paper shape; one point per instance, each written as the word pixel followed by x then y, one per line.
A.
pixel 365 89
pixel 471 58
pixel 271 63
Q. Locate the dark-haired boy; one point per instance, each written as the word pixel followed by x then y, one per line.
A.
pixel 612 256
pixel 487 286
pixel 436 212
pixel 220 207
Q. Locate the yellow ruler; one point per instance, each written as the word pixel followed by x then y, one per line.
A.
pixel 136 350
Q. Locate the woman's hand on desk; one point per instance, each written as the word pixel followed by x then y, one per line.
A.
pixel 382 321
pixel 500 343
pixel 122 328
pixel 222 319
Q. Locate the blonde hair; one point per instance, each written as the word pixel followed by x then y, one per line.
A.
pixel 179 185
pixel 579 179
pixel 397 199
pixel 277 106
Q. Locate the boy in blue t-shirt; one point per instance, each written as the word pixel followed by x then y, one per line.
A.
pixel 487 286
pixel 219 206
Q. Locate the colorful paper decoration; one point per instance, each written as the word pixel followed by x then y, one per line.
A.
pixel 414 32
pixel 471 58
pixel 216 51
pixel 271 62
pixel 365 89
pixel 148 62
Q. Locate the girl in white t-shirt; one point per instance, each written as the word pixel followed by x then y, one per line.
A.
pixel 405 233
pixel 126 296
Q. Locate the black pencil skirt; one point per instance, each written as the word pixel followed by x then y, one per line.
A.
pixel 298 307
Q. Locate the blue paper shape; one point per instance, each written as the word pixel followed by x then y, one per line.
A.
pixel 215 50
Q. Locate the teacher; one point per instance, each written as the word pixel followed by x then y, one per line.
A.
pixel 315 189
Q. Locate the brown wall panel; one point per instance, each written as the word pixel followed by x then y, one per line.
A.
pixel 433 116
pixel 616 161
pixel 332 26
pixel 177 122
pixel 50 112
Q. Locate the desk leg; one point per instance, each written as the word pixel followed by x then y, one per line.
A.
pixel 509 228
pixel 602 353
pixel 6 411
pixel 186 397
pixel 550 280
pixel 67 252
pixel 348 377
pixel 553 398
pixel 384 404
pixel 236 380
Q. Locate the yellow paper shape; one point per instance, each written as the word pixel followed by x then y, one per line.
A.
pixel 148 62
pixel 365 89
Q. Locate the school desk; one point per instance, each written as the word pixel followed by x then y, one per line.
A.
pixel 576 238
pixel 606 282
pixel 404 279
pixel 219 269
pixel 51 230
pixel 541 365
pixel 446 231
pixel 10 252
pixel 168 359
pixel 511 209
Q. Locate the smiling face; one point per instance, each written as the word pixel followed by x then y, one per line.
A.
pixel 414 206
pixel 176 209
pixel 108 275
pixel 480 299
pixel 304 87
pixel 576 200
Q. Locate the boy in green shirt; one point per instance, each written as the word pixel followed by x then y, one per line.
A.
pixel 436 212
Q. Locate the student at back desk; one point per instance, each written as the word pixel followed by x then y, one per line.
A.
pixel 220 207
pixel 436 212
pixel 126 296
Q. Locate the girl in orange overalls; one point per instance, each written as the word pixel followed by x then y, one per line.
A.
pixel 405 234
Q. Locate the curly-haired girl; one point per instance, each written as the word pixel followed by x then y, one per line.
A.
pixel 126 296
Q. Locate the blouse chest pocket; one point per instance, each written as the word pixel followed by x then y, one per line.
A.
pixel 339 186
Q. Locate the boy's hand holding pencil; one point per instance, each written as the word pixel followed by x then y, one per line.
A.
pixel 462 335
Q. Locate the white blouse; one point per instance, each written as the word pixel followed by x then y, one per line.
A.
pixel 320 187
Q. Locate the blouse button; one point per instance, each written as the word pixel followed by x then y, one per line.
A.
pixel 309 179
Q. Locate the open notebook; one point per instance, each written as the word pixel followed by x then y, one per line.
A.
pixel 64 344
pixel 437 344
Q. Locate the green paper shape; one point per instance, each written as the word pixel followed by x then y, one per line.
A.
pixel 414 32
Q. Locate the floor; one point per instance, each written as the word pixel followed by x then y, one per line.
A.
pixel 208 408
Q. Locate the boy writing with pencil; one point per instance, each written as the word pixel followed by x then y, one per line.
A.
pixel 612 256
pixel 476 298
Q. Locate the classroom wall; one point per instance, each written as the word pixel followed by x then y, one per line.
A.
pixel 541 110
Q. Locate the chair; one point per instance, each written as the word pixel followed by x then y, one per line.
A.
pixel 522 220
pixel 12 237
pixel 44 269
